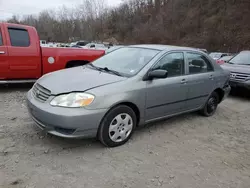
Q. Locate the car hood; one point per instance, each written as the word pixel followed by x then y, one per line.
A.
pixel 236 68
pixel 76 79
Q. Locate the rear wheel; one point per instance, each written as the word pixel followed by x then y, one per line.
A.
pixel 117 126
pixel 211 105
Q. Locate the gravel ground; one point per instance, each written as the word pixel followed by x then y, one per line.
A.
pixel 188 151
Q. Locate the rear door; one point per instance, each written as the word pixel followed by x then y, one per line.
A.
pixel 24 52
pixel 200 79
pixel 4 66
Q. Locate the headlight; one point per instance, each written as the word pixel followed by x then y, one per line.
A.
pixel 73 100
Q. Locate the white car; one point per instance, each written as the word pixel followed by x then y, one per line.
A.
pixel 95 46
pixel 217 55
pixel 79 43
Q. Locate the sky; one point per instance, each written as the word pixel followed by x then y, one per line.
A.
pixel 24 7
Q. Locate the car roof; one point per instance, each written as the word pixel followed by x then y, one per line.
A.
pixel 164 47
pixel 245 51
pixel 218 53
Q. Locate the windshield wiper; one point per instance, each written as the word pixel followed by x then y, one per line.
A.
pixel 111 71
pixel 106 69
pixel 230 62
pixel 93 66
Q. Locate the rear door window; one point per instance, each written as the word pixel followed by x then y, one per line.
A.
pixel 19 37
pixel 198 63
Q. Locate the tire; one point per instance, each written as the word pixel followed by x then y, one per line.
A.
pixel 211 105
pixel 117 126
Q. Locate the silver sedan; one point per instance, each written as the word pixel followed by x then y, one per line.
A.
pixel 127 88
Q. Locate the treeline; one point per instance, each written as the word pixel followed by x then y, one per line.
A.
pixel 211 24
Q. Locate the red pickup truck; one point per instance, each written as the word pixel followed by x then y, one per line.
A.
pixel 22 59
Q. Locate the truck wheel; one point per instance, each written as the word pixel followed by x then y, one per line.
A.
pixel 211 105
pixel 117 126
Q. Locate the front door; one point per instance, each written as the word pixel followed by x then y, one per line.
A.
pixel 4 66
pixel 167 96
pixel 199 79
pixel 24 53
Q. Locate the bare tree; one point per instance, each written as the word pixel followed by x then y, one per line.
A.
pixel 213 24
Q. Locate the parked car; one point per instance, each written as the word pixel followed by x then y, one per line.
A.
pixel 79 43
pixel 129 87
pixel 96 46
pixel 76 46
pixel 239 66
pixel 218 55
pixel 224 59
pixel 23 60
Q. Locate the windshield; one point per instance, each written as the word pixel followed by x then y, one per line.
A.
pixel 242 58
pixel 89 44
pixel 100 45
pixel 127 61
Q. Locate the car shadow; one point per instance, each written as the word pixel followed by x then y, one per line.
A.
pixel 91 144
pixel 15 87
pixel 58 143
pixel 240 93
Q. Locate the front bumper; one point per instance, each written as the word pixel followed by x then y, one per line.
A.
pixel 65 122
pixel 245 84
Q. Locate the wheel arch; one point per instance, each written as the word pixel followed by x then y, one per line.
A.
pixel 220 93
pixel 132 105
pixel 75 63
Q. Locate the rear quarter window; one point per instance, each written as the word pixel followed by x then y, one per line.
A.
pixel 19 37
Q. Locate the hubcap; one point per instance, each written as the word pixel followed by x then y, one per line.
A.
pixel 121 127
pixel 211 105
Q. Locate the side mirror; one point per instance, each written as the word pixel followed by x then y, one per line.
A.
pixel 160 74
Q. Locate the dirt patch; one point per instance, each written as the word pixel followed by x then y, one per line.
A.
pixel 187 151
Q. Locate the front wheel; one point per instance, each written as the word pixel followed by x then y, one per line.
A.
pixel 117 126
pixel 211 105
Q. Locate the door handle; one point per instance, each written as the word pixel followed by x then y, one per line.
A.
pixel 211 77
pixel 2 52
pixel 183 81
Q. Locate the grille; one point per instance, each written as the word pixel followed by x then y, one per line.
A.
pixel 239 76
pixel 41 93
